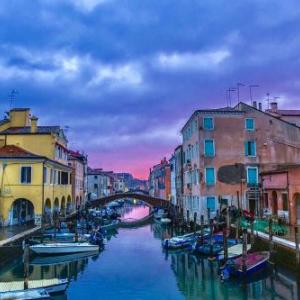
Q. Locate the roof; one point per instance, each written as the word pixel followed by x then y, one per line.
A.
pixel 20 109
pixel 12 151
pixel 27 130
pixel 268 113
pixel 221 110
pixel 287 112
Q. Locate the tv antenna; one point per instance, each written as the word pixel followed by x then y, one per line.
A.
pixel 12 97
pixel 251 86
pixel 268 100
pixel 230 90
pixel 239 84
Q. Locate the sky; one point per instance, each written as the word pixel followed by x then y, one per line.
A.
pixel 123 76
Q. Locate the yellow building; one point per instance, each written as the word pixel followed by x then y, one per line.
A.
pixel 34 172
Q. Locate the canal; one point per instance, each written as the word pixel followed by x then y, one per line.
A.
pixel 134 266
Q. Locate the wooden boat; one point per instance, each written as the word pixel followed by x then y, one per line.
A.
pixel 182 241
pixel 63 248
pixel 52 286
pixel 233 251
pixel 29 294
pixel 211 249
pixel 254 261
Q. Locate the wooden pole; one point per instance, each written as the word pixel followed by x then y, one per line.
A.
pixel 225 244
pixel 26 265
pixel 271 237
pixel 252 233
pixel 202 229
pixel 244 255
pixel 195 221
pixel 297 245
pixel 211 226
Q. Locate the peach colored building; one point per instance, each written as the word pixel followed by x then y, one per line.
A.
pixel 225 150
pixel 281 193
pixel 160 180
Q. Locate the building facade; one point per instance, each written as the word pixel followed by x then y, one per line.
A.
pixel 100 183
pixel 160 180
pixel 224 150
pixel 78 163
pixel 35 176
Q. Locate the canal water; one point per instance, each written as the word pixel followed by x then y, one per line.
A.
pixel 134 266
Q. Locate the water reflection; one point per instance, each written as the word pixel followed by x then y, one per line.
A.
pixel 134 212
pixel 134 266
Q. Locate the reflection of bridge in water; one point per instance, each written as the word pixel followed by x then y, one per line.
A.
pixel 149 200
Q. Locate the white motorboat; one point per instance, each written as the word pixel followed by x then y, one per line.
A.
pixel 165 221
pixel 29 294
pixel 63 248
pixel 52 286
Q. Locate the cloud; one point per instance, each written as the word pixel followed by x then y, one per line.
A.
pixel 117 76
pixel 87 5
pixel 193 61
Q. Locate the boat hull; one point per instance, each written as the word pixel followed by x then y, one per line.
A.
pixel 48 249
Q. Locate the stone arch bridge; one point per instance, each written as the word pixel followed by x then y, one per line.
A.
pixel 151 201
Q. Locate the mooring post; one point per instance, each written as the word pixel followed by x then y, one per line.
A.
pixel 202 229
pixel 195 221
pixel 252 233
pixel 271 238
pixel 211 226
pixel 188 217
pixel 237 227
pixel 297 245
pixel 76 231
pixel 225 243
pixel 244 255
pixel 26 264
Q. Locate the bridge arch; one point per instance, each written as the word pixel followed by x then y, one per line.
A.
pixel 151 201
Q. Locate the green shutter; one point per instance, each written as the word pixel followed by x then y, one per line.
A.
pixel 246 148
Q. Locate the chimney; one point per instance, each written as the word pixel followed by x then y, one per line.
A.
pixel 274 106
pixel 254 104
pixel 259 106
pixel 34 121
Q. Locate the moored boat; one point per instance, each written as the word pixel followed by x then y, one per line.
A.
pixel 245 267
pixel 233 251
pixel 63 248
pixel 254 262
pixel 29 294
pixel 52 286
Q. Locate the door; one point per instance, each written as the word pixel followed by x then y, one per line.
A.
pixel 298 208
pixel 274 203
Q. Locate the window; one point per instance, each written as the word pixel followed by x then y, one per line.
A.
pixel 252 175
pixel 25 175
pixel 208 123
pixel 51 176
pixel 250 148
pixel 250 124
pixel 45 173
pixel 211 203
pixel 210 176
pixel 209 148
pixel 285 203
pixel 64 178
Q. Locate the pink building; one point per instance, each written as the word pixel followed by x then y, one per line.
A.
pixel 281 193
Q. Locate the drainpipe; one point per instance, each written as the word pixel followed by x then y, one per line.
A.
pixel 43 195
pixel 288 196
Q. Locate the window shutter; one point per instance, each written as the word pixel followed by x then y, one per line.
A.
pixel 246 148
